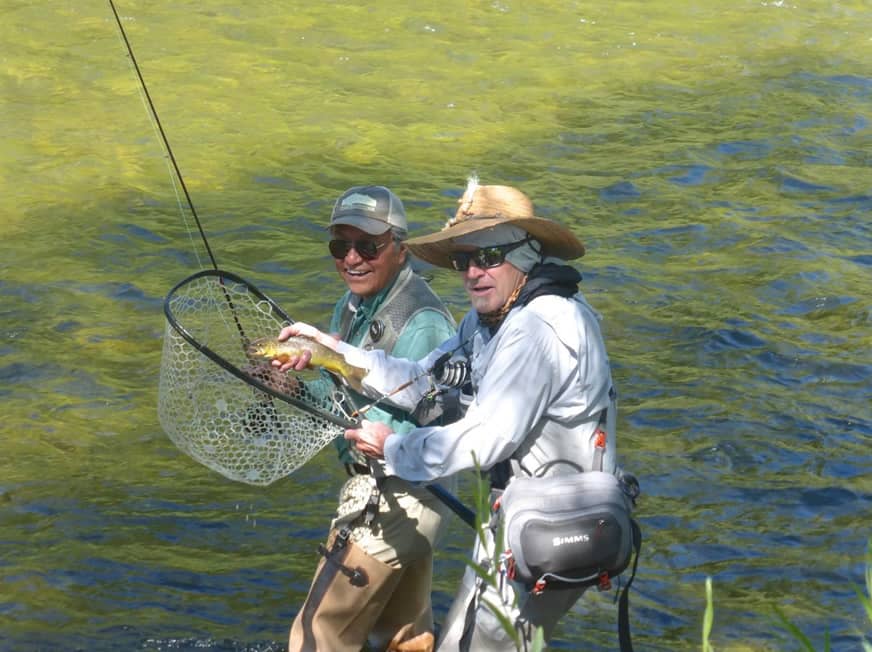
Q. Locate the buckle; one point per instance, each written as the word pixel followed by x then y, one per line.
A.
pixel 356 469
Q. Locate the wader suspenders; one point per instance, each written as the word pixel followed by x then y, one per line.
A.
pixel 337 552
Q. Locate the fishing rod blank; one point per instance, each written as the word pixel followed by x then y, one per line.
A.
pixel 223 415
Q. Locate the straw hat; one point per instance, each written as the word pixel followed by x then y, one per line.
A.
pixel 483 207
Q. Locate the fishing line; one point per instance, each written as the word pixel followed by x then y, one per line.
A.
pixel 166 142
pixel 178 173
pixel 170 415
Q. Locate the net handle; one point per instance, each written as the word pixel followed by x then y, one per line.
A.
pixel 221 275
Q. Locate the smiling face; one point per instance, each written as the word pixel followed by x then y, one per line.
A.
pixel 490 288
pixel 368 277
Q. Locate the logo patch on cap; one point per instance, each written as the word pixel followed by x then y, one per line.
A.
pixel 358 200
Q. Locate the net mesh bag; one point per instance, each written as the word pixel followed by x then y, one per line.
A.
pixel 239 417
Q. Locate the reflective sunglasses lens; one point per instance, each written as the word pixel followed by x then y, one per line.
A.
pixel 339 248
pixel 483 258
pixel 490 257
pixel 460 261
pixel 366 249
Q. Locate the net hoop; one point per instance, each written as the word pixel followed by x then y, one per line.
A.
pixel 339 420
pixel 214 409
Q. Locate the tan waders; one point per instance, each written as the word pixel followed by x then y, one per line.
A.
pixel 374 588
pixel 359 599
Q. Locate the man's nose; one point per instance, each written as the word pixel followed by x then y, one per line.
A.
pixel 473 271
pixel 352 257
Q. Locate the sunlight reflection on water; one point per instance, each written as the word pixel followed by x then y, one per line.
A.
pixel 714 163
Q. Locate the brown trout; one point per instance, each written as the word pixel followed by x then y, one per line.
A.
pixel 322 356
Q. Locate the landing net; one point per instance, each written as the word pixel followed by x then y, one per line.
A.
pixel 243 419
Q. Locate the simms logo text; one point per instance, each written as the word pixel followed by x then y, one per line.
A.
pixel 578 538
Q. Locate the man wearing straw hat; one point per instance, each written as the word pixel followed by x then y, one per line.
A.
pixel 542 396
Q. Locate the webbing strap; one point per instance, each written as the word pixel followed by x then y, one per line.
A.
pixel 333 565
pixel 475 596
pixel 371 509
pixel 624 601
pixel 599 450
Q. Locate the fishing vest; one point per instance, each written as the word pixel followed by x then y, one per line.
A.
pixel 409 296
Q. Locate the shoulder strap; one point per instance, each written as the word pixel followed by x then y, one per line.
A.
pixel 600 441
pixel 349 310
pixel 410 295
pixel 624 601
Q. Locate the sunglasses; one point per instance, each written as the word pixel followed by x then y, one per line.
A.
pixel 483 258
pixel 366 249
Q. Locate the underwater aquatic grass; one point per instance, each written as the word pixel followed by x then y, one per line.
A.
pixel 866 600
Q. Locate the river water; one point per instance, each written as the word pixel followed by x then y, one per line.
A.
pixel 714 157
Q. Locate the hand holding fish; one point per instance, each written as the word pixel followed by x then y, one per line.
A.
pixel 301 361
pixel 306 330
pixel 301 346
pixel 370 438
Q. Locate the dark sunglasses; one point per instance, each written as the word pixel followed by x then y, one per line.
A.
pixel 366 249
pixel 483 258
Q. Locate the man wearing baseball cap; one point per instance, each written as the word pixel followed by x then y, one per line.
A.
pixel 373 581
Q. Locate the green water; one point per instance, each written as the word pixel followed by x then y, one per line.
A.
pixel 715 159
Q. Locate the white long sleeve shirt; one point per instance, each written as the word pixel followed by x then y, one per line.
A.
pixel 540 387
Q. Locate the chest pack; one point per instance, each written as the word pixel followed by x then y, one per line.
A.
pixel 572 530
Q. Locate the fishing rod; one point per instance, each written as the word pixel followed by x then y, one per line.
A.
pixel 163 135
pixel 451 501
pixel 166 143
pixel 446 373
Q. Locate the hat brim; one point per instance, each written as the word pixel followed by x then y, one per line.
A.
pixel 365 224
pixel 555 238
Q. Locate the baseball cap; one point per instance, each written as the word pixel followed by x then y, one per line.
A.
pixel 372 209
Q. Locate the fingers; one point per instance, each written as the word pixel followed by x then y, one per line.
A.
pixel 352 435
pixel 369 438
pixel 300 328
pixel 287 331
pixel 295 363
